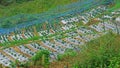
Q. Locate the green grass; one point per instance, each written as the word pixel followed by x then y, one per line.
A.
pixel 68 52
pixel 31 7
pixel 117 6
pixel 102 53
pixel 27 11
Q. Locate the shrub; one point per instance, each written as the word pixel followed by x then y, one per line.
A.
pixel 68 53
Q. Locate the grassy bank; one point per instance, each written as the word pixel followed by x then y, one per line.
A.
pixel 18 13
pixel 101 53
pixel 31 7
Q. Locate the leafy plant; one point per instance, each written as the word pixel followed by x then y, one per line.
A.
pixel 68 53
pixel 41 57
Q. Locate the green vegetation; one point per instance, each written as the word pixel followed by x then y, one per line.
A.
pixel 117 6
pixel 26 10
pixel 103 52
pixel 41 59
pixel 36 38
pixel 8 2
pixel 31 7
pixel 68 53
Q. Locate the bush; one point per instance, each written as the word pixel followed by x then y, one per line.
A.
pixel 41 57
pixel 68 53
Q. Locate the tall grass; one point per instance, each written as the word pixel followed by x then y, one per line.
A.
pixel 101 53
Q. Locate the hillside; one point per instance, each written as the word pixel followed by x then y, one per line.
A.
pixel 102 52
pixel 60 34
pixel 31 7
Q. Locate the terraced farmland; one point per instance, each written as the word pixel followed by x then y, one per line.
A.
pixel 71 32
